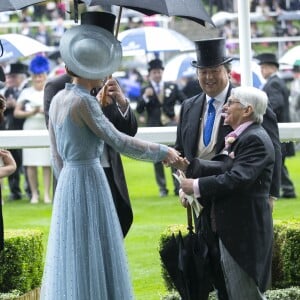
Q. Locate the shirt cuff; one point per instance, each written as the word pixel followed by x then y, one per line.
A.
pixel 196 188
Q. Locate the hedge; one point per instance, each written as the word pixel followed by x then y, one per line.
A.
pixel 21 262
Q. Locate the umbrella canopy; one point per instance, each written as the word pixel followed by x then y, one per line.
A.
pixel 290 56
pixel 179 66
pixel 16 46
pixel 17 4
pixel 140 41
pixel 192 9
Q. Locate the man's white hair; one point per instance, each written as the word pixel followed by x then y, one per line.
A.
pixel 249 95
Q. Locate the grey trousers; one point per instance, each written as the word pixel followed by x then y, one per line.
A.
pixel 238 283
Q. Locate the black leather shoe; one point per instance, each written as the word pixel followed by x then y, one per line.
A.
pixel 163 193
pixel 15 197
pixel 288 196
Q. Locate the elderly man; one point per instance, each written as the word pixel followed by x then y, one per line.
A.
pixel 236 219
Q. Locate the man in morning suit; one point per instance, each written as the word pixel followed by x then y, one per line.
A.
pixel 236 218
pixel 278 95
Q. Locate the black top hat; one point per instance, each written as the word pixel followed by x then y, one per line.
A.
pixel 219 164
pixel 17 68
pixel 101 19
pixel 155 64
pixel 210 53
pixel 267 58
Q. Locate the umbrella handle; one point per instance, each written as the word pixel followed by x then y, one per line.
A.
pixel 189 218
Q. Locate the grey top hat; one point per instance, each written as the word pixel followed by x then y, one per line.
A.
pixel 267 58
pixel 91 51
pixel 210 53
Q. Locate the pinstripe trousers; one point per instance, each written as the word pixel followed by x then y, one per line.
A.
pixel 239 285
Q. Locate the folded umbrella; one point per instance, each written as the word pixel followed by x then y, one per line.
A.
pixel 186 261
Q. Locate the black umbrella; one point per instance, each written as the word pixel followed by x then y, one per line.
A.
pixel 186 260
pixel 8 5
pixel 191 9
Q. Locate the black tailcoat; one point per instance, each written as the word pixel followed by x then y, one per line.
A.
pixel 242 212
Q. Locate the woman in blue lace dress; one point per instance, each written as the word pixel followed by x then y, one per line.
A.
pixel 85 255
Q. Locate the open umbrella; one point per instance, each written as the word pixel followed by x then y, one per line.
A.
pixel 179 66
pixel 290 56
pixel 142 40
pixel 17 4
pixel 192 9
pixel 16 45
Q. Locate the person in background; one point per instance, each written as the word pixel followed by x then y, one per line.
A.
pixel 16 81
pixel 7 165
pixel 236 218
pixel 295 93
pixel 85 253
pixel 158 99
pixel 30 108
pixel 278 95
pixel 119 113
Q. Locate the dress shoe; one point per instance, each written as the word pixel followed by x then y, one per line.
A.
pixel 13 197
pixel 288 196
pixel 163 193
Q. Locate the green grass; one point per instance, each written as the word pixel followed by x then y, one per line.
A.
pixel 152 215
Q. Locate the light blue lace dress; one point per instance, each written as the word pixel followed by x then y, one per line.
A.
pixel 85 256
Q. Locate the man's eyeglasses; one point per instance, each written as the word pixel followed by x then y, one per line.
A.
pixel 229 102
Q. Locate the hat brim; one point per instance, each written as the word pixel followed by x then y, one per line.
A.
pixel 195 64
pixel 90 52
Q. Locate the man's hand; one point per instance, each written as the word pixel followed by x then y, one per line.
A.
pixel 187 185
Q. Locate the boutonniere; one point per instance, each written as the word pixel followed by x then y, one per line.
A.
pixel 230 140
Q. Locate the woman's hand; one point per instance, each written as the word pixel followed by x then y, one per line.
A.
pixel 172 157
pixel 181 164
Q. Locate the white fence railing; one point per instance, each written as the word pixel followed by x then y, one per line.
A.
pixel 14 139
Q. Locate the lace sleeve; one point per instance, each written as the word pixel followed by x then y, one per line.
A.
pixel 87 111
pixel 56 160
